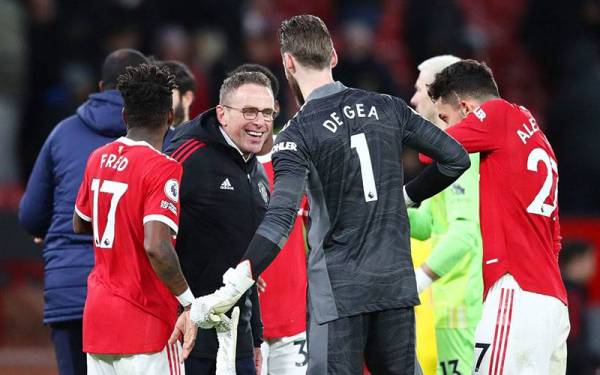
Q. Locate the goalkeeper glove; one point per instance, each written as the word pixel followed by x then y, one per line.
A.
pixel 227 337
pixel 206 310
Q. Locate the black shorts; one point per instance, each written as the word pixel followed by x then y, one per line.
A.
pixel 383 340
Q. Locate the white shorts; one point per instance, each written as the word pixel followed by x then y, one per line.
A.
pixel 521 332
pixel 165 362
pixel 286 355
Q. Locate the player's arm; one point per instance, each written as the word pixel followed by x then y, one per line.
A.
pixel 35 208
pixel 450 158
pixel 82 216
pixel 271 235
pixel 80 226
pixel 421 221
pixel 162 256
pixel 481 130
pixel 160 219
pixel 461 238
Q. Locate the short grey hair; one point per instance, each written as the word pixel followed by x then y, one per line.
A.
pixel 236 80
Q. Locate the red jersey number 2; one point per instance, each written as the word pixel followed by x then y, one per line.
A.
pixel 116 189
pixel 539 206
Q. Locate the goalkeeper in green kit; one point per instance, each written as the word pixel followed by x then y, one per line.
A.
pixel 453 269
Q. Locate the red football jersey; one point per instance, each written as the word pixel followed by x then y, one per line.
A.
pixel 128 309
pixel 283 304
pixel 518 196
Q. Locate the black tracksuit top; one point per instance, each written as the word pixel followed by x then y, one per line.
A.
pixel 223 200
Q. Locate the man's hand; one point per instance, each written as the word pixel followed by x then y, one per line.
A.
pixel 207 310
pixel 188 329
pixel 258 359
pixel 261 285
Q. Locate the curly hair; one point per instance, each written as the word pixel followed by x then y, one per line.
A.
pixel 184 78
pixel 147 92
pixel 463 78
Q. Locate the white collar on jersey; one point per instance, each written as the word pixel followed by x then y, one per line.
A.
pixel 131 142
pixel 232 144
pixel 266 158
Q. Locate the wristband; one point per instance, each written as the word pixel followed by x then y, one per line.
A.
pixel 186 298
pixel 423 281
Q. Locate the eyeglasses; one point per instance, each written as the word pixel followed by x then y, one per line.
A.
pixel 250 113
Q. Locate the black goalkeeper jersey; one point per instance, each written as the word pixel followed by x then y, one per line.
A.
pixel 344 147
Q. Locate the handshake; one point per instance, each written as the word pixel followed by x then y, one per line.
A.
pixel 208 312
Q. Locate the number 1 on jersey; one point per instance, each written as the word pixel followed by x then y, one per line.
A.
pixel 117 189
pixel 359 142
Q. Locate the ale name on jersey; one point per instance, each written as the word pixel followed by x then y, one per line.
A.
pixel 528 131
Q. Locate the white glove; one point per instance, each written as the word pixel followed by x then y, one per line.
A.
pixel 227 337
pixel 206 310
pixel 423 281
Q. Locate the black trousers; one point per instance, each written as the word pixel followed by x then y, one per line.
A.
pixel 383 340
pixel 205 366
pixel 68 347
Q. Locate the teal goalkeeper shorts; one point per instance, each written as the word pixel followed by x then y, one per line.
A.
pixel 455 350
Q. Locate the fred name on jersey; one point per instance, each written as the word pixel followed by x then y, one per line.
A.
pixel 113 161
pixel 356 111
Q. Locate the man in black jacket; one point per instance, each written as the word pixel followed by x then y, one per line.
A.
pixel 224 195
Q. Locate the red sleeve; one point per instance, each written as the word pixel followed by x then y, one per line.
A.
pixel 483 129
pixel 162 194
pixel 83 206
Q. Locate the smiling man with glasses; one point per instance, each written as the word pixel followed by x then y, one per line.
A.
pixel 224 195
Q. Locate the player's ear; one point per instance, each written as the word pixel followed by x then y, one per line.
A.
pixel 467 106
pixel 463 108
pixel 188 98
pixel 289 63
pixel 334 59
pixel 101 86
pixel 277 107
pixel 221 115
pixel 124 115
pixel 170 117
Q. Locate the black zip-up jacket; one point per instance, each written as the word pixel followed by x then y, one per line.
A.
pixel 223 200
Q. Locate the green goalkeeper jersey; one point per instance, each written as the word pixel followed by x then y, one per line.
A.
pixel 451 220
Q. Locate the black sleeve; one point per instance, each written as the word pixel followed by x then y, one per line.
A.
pixel 290 164
pixel 450 158
pixel 256 319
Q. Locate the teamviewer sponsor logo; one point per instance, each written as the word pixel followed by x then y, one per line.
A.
pixel 226 185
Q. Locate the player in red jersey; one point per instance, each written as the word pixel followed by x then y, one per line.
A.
pixel 525 320
pixel 129 200
pixel 283 303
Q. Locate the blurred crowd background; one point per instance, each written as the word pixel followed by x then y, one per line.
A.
pixel 545 55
